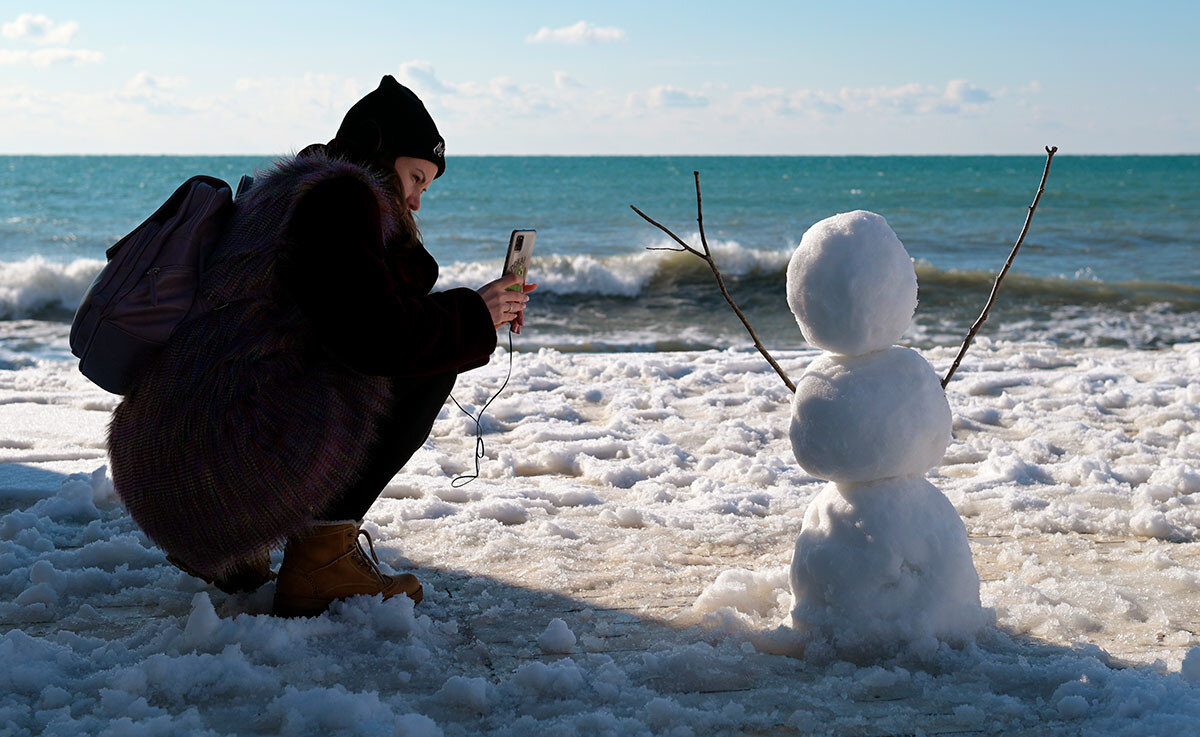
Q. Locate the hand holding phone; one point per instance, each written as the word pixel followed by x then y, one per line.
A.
pixel 516 263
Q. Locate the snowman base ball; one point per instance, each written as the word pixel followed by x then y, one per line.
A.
pixel 884 566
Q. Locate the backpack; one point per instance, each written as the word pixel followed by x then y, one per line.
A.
pixel 148 287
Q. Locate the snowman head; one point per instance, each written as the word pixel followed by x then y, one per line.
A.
pixel 851 284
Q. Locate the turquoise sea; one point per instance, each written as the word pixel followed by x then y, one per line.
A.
pixel 1112 258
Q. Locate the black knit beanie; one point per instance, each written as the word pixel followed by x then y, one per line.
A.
pixel 391 121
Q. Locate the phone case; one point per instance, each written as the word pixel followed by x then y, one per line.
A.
pixel 520 252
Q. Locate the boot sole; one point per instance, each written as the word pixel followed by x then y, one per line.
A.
pixel 308 607
pixel 301 607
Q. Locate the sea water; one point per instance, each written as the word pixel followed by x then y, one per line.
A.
pixel 1112 257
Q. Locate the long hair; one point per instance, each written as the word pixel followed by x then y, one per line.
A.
pixel 408 233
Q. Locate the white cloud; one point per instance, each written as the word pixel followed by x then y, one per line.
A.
pixel 505 88
pixel 789 103
pixel 580 33
pixel 48 57
pixel 911 97
pixel 148 112
pixel 42 31
pixel 146 84
pixel 151 113
pixel 960 90
pixel 313 102
pixel 1033 88
pixel 959 95
pixel 667 96
pixel 39 29
pixel 420 76
pixel 158 94
pixel 562 80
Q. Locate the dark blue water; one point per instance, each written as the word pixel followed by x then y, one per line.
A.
pixel 1113 255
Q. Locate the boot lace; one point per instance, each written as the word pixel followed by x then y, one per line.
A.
pixel 363 553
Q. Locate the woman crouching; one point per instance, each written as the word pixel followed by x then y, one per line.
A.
pixel 281 414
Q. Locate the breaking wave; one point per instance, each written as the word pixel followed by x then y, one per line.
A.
pixel 35 287
pixel 38 288
pixel 625 275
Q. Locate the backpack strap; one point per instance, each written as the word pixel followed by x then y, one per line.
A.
pixel 244 185
pixel 168 209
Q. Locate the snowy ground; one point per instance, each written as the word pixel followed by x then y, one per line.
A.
pixel 650 502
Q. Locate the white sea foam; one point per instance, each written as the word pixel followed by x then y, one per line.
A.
pixel 35 284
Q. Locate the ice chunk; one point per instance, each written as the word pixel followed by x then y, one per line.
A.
pixel 558 638
pixel 321 710
pixel 883 564
pixel 1151 523
pixel 1190 669
pixel 857 419
pixel 1072 707
pixel 746 591
pixel 504 511
pixel 417 725
pixel 469 694
pixel 561 680
pixel 851 284
pixel 203 622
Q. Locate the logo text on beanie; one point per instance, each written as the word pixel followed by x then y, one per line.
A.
pixel 440 149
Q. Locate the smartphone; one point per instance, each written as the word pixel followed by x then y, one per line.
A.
pixel 520 253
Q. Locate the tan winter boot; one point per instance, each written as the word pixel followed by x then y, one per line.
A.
pixel 328 563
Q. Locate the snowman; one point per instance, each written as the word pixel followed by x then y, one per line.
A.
pixel 882 562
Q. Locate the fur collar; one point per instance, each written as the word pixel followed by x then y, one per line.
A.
pixel 290 178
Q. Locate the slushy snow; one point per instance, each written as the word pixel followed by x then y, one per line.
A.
pixel 851 284
pixel 862 418
pixel 682 622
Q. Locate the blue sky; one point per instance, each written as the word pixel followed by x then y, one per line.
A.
pixel 607 78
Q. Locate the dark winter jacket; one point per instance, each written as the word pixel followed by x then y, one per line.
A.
pixel 368 296
pixel 261 412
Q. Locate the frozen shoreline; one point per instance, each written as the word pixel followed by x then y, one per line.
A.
pixel 623 493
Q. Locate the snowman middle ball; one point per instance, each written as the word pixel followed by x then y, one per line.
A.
pixel 862 418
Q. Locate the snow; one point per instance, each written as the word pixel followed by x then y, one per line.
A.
pixel 884 565
pixel 663 507
pixel 558 637
pixel 839 261
pixel 869 417
pixel 1190 669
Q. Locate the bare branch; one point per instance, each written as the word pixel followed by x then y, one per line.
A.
pixel 667 230
pixel 708 259
pixel 703 240
pixel 1050 151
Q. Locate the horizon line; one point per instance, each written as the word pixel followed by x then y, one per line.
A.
pixel 628 155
